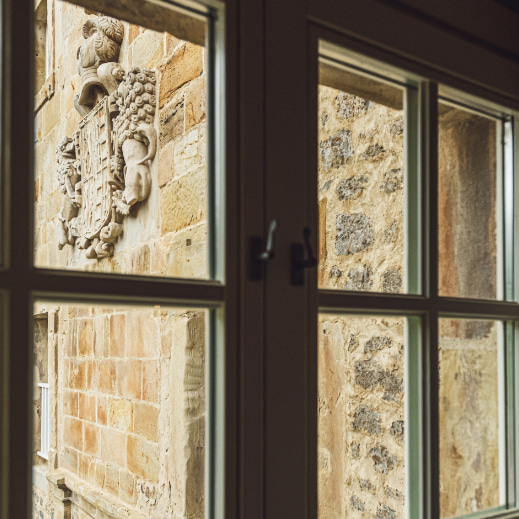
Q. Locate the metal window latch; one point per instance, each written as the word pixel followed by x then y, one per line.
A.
pixel 302 258
pixel 259 256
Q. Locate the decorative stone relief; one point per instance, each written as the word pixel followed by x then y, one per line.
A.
pixel 104 171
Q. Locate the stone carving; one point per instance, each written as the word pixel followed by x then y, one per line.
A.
pixel 105 170
pixel 103 37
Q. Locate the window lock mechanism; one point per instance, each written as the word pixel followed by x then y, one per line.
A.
pixel 302 258
pixel 259 256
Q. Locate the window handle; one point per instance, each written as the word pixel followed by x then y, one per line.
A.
pixel 302 258
pixel 259 256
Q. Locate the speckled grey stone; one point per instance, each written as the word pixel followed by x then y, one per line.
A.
pixel 384 512
pixel 393 181
pixel 377 343
pixel 384 460
pixel 336 149
pixel 349 105
pixel 357 503
pixel 366 419
pixel 354 233
pixel 351 188
pixel 360 279
pixel 392 281
pixel 397 430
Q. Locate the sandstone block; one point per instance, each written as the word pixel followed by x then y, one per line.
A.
pixel 150 380
pixel 100 474
pixel 129 378
pixel 71 460
pixel 183 202
pixel 120 414
pixel 70 403
pixel 146 421
pixel 143 458
pixel 195 102
pixel 73 433
pixel 185 65
pixel 76 374
pixel 87 407
pixel 112 479
pixel 106 372
pixel 142 335
pixel 171 121
pixel 99 337
pixel 148 49
pixel 90 439
pixel 113 446
pixel 85 338
pixel 117 335
pixel 166 164
pixel 102 410
pixel 127 491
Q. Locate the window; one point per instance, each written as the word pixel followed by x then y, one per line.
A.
pixel 426 298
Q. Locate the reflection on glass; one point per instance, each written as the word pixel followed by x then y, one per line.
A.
pixel 361 458
pixel 119 407
pixel 469 213
pixel 471 420
pixel 121 144
pixel 361 183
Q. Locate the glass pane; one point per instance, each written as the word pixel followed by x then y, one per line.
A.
pixel 470 217
pixel 472 441
pixel 121 177
pixel 361 182
pixel 361 455
pixel 119 411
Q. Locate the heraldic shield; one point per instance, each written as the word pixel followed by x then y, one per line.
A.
pixel 94 150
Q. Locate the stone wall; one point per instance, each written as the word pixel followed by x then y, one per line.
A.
pixel 361 359
pixel 127 384
pixel 167 234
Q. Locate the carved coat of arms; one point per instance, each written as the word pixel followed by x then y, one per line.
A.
pixel 104 169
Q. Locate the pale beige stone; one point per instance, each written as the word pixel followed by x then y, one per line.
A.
pixel 120 414
pixel 146 421
pixel 113 446
pixel 143 458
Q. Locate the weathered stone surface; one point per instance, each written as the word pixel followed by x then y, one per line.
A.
pixel 113 446
pixel 360 278
pixel 373 151
pixel 335 272
pixel 146 421
pixel 352 187
pixel 397 430
pixel 357 504
pixel 336 150
pixel 383 459
pixel 184 66
pixel 377 343
pixel 384 512
pixel 354 233
pixel 171 122
pixel 349 106
pixel 143 458
pixel 366 419
pixel 392 281
pixel 393 181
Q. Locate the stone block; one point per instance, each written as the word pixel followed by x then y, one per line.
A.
pixel 107 374
pixel 100 474
pixel 73 433
pixel 195 103
pixel 90 439
pixel 146 421
pixel 166 164
pixel 171 121
pixel 187 254
pixel 99 336
pixel 112 480
pixel 129 379
pixel 142 335
pixel 102 410
pixel 113 446
pixel 87 407
pixel 150 380
pixel 117 335
pixel 85 338
pixel 70 403
pixel 70 460
pixel 185 65
pixel 183 202
pixel 86 467
pixel 143 458
pixel 120 414
pixel 76 374
pixel 147 50
pixel 127 491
